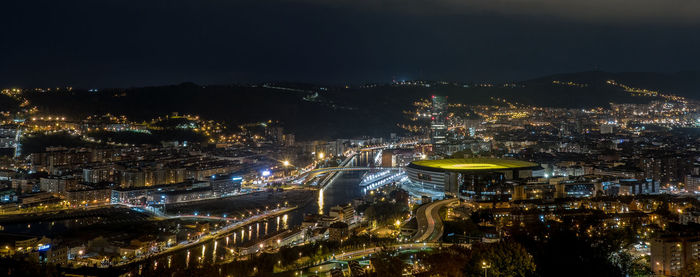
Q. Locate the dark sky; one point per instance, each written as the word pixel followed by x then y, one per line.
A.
pixel 105 43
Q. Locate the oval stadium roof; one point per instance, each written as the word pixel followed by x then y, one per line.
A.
pixel 473 164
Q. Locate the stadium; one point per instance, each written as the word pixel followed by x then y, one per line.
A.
pixel 476 178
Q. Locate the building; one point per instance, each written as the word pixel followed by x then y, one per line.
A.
pixel 338 231
pixel 692 183
pixel 98 174
pixel 438 124
pixel 606 129
pixel 637 187
pixel 289 140
pixel 689 216
pixel 226 184
pixel 478 178
pixel 671 252
pixel 38 198
pixel 275 133
pixel 344 213
pixel 89 196
pixel 25 185
pixel 9 139
pixel 57 184
pixel 575 189
pixel 162 194
pixel 181 195
pixel 8 195
pixel 534 192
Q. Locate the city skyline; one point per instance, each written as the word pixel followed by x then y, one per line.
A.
pixel 350 138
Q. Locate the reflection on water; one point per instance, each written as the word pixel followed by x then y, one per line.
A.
pixel 320 201
pixel 213 260
pixel 187 260
pixel 342 191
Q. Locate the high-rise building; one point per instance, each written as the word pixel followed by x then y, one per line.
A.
pixel 670 253
pixel 438 125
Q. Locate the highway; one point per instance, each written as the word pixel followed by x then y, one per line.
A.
pixel 323 267
pixel 429 223
pixel 351 255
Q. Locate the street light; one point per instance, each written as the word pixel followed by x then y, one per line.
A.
pixel 285 163
pixel 321 155
pixel 486 267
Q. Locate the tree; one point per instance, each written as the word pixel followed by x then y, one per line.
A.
pixel 690 270
pixel 386 264
pixel 449 262
pixel 505 258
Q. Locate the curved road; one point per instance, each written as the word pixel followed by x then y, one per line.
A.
pixel 429 223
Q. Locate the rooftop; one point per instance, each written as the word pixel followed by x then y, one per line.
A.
pixel 474 164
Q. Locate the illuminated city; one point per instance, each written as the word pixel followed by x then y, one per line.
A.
pixel 310 138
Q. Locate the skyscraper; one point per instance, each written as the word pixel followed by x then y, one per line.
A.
pixel 438 126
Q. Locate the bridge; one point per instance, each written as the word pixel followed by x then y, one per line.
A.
pixel 313 173
pixel 331 261
pixel 388 145
pixel 345 165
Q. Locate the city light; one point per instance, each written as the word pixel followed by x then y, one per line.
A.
pixel 401 177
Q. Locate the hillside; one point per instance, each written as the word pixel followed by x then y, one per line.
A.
pixel 313 112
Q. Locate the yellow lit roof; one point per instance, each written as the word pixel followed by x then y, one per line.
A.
pixel 474 164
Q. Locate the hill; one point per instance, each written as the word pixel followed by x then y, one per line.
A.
pixel 315 112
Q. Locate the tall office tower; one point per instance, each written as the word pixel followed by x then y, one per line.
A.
pixel 438 124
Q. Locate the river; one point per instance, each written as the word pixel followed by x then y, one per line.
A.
pixel 342 191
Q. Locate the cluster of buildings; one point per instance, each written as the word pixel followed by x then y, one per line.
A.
pixel 90 175
pixel 335 225
pixel 626 165
pixel 101 250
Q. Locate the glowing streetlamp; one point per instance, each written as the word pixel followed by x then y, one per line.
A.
pixel 486 267
pixel 321 155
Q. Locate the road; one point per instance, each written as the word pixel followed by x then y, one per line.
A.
pixel 323 267
pixel 351 255
pixel 429 223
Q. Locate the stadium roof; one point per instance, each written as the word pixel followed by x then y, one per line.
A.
pixel 473 164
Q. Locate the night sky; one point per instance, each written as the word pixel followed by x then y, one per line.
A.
pixel 103 43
